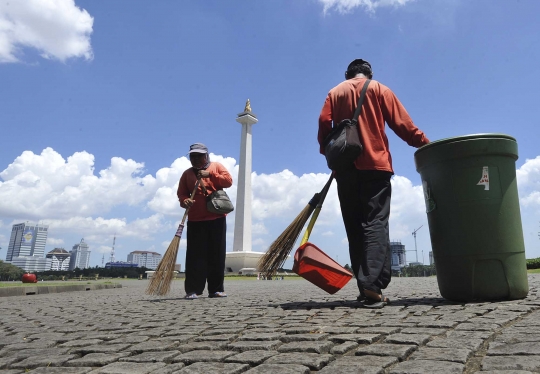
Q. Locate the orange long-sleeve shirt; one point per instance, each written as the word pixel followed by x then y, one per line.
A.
pixel 380 106
pixel 219 179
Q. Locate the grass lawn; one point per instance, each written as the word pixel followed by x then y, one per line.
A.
pixel 532 271
pixel 57 283
pixel 240 277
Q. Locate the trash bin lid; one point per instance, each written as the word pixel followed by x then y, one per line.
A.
pixel 465 137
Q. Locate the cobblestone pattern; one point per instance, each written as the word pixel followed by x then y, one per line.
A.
pixel 273 327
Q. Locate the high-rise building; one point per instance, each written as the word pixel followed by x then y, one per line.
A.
pixel 80 256
pixel 149 260
pixel 399 258
pixel 431 259
pixel 59 259
pixel 27 240
pixel 27 247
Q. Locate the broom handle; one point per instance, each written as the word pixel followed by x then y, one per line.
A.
pixel 191 197
pixel 317 209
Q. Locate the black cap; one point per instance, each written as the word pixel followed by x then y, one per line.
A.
pixel 198 148
pixel 359 61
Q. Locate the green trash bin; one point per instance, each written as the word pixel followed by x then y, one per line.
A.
pixel 474 218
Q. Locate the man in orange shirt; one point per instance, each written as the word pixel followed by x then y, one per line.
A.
pixel 364 189
pixel 206 240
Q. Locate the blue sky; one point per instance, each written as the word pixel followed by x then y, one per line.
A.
pixel 101 100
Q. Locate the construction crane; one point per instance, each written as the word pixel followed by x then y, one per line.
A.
pixel 112 249
pixel 415 248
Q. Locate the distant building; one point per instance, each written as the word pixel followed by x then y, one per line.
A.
pixel 26 247
pixel 80 256
pixel 120 264
pixel 149 260
pixel 399 258
pixel 32 263
pixel 431 259
pixel 27 240
pixel 59 259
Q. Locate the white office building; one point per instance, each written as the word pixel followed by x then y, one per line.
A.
pixel 26 247
pixel 149 260
pixel 59 259
pixel 27 240
pixel 79 256
pixel 32 263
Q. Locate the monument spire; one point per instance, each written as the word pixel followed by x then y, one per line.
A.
pixel 242 225
pixel 242 256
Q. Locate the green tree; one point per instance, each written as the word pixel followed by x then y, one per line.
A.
pixel 418 271
pixel 92 272
pixel 10 272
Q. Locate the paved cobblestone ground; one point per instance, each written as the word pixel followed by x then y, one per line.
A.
pixel 274 327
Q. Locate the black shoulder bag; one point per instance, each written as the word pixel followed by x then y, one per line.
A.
pixel 344 143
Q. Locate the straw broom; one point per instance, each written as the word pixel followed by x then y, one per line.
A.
pixel 160 284
pixel 279 250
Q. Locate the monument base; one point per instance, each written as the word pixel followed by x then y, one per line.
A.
pixel 234 261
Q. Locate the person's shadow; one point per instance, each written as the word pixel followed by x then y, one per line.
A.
pixel 353 304
pixel 162 299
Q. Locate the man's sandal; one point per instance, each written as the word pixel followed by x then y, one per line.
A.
pixel 376 304
pixel 217 294
pixel 191 296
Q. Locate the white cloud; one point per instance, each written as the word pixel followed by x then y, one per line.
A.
pixel 408 208
pixel 77 201
pixel 99 228
pixel 46 185
pixel 54 241
pixel 58 29
pixel 284 193
pixel 259 228
pixel 345 6
pixel 528 179
pixel 103 249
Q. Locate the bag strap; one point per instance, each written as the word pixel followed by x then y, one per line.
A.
pixel 200 182
pixel 361 101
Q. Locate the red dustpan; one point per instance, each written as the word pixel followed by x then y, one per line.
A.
pixel 317 267
pixel 314 265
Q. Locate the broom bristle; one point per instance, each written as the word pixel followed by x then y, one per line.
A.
pixel 279 250
pixel 160 284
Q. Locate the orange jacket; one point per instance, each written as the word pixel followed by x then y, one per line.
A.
pixel 218 180
pixel 380 106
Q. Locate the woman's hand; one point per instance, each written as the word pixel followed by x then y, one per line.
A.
pixel 189 202
pixel 203 174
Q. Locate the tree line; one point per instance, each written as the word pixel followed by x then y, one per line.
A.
pixel 10 272
pixel 410 271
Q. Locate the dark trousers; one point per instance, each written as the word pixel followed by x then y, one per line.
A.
pixel 364 196
pixel 205 255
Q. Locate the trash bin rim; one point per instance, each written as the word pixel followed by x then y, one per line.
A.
pixel 465 137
